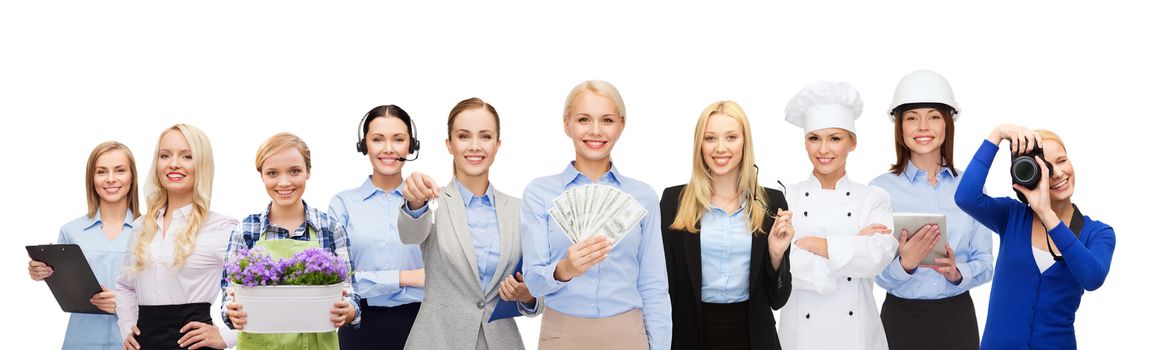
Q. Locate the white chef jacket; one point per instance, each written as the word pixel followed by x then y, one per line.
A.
pixel 831 304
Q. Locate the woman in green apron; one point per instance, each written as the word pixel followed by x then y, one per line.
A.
pixel 287 227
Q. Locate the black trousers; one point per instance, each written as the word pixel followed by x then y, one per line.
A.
pixel 948 323
pixel 384 328
pixel 160 325
pixel 725 326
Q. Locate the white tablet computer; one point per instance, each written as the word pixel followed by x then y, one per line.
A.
pixel 912 222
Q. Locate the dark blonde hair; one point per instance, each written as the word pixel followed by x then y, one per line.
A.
pixel 469 104
pixel 280 142
pixel 90 173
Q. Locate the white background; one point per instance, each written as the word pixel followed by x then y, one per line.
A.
pixel 72 76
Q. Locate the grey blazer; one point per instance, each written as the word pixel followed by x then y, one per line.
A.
pixel 454 305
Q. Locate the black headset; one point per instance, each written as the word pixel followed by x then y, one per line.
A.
pixel 363 128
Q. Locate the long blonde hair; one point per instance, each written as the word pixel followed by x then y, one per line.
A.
pixel 90 172
pixel 696 196
pixel 158 198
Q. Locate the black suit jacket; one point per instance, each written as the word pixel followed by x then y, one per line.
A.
pixel 768 289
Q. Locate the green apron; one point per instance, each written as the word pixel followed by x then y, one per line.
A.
pixel 285 249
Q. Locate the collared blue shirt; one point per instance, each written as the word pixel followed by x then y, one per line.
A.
pixel 633 276
pixel 970 241
pixel 370 217
pixel 482 218
pixel 330 235
pixel 106 258
pixel 725 249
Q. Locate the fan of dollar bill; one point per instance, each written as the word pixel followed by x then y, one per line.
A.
pixel 589 210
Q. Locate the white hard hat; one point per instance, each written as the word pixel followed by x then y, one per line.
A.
pixel 823 105
pixel 923 87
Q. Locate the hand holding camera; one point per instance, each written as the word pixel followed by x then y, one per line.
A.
pixel 1029 166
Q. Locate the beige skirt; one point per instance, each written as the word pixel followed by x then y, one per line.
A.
pixel 622 331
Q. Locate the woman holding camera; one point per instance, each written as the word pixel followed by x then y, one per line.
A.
pixel 1050 253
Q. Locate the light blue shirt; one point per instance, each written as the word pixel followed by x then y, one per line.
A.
pixel 970 241
pixel 106 258
pixel 725 248
pixel 370 217
pixel 482 218
pixel 633 276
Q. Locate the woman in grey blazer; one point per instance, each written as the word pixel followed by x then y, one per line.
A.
pixel 470 244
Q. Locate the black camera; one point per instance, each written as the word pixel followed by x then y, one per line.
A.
pixel 1026 172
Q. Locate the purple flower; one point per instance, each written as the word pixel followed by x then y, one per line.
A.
pixel 313 266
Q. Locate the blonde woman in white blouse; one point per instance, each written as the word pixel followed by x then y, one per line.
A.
pixel 176 253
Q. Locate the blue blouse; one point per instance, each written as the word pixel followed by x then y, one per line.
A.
pixel 105 257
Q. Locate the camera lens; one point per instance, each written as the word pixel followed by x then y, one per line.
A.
pixel 1025 172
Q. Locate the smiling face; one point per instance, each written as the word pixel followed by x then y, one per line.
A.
pixel 828 150
pixel 112 176
pixel 284 174
pixel 176 171
pixel 923 130
pixel 473 142
pixel 594 125
pixel 722 142
pixel 1063 180
pixel 387 140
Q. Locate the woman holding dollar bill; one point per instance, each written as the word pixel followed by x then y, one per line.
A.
pixel 590 239
pixel 726 240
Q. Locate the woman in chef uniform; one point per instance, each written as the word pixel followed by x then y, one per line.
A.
pixel 843 231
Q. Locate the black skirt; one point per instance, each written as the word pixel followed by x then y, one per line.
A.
pixel 948 323
pixel 384 328
pixel 160 325
pixel 725 326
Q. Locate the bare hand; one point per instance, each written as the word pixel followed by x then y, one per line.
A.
pixel 342 312
pixel 201 335
pixel 875 229
pixel 913 249
pixel 38 270
pixel 418 189
pixel 580 257
pixel 131 339
pixel 236 312
pixel 106 300
pixel 947 266
pixel 781 234
pixel 513 288
pixel 1020 138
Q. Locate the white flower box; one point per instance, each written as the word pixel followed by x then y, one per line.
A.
pixel 288 309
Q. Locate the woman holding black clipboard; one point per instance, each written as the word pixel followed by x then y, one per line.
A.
pixel 111 186
pixel 470 245
pixel 928 306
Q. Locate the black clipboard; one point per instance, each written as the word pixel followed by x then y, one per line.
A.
pixel 72 281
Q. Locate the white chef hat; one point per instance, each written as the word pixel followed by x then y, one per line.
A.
pixel 823 105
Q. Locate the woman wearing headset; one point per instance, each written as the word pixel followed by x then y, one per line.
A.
pixel 389 274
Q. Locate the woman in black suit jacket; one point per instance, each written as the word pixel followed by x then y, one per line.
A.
pixel 727 265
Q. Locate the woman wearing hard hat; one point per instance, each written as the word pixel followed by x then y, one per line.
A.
pixel 928 306
pixel 843 231
pixel 1050 253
